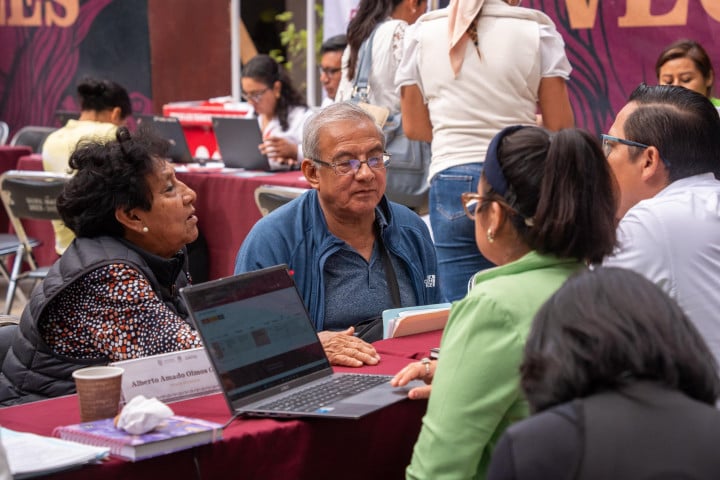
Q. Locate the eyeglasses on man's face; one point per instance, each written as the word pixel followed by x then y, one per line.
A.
pixel 608 140
pixel 351 167
pixel 329 71
pixel 254 96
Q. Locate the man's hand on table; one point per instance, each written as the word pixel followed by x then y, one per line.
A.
pixel 423 370
pixel 346 350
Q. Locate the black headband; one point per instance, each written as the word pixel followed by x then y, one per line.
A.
pixel 492 170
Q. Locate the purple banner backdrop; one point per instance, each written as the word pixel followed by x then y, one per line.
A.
pixel 47 46
pixel 613 46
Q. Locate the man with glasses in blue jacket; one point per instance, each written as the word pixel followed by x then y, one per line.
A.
pixel 664 149
pixel 352 252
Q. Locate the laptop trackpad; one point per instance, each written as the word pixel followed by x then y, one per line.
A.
pixel 381 392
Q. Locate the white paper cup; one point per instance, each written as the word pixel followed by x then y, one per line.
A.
pixel 98 390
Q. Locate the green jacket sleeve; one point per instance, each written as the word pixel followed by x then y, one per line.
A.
pixel 475 394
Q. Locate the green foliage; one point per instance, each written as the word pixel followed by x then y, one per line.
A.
pixel 295 40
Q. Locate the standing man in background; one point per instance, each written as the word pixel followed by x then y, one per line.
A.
pixel 330 66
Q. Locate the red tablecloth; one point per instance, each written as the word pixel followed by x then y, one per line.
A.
pixel 225 209
pixel 8 160
pixel 377 446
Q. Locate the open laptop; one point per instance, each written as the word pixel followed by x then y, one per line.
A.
pixel 170 129
pixel 237 140
pixel 266 353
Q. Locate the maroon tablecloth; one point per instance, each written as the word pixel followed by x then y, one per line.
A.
pixel 377 446
pixel 8 160
pixel 225 209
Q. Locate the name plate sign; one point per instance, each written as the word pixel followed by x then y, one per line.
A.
pixel 169 377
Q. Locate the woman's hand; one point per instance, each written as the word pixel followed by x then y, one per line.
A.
pixel 345 349
pixel 281 150
pixel 423 370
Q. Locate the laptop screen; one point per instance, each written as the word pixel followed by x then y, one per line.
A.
pixel 170 129
pixel 238 140
pixel 256 330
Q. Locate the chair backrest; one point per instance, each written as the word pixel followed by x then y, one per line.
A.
pixel 4 132
pixel 32 136
pixel 270 197
pixel 31 195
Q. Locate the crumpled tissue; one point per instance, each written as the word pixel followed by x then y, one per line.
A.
pixel 140 415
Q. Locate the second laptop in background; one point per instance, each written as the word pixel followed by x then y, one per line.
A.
pixel 170 129
pixel 238 140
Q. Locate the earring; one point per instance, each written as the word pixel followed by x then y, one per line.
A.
pixel 146 230
pixel 490 236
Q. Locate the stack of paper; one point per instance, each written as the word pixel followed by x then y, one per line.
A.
pixel 31 455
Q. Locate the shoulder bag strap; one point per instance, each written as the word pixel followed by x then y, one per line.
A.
pixel 360 84
pixel 390 275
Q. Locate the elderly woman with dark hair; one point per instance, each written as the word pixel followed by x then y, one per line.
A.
pixel 113 294
pixel 625 385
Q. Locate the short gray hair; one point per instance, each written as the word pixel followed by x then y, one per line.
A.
pixel 336 112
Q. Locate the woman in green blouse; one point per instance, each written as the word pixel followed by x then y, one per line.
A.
pixel 545 207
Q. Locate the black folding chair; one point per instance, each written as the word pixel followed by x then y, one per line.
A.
pixel 32 196
pixel 32 136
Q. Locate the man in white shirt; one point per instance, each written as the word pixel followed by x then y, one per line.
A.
pixel 664 149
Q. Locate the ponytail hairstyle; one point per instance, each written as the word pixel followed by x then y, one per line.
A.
pixel 263 68
pixel 557 189
pixel 100 95
pixel 370 13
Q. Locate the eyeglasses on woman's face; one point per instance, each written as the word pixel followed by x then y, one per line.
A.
pixel 471 202
pixel 352 166
pixel 255 96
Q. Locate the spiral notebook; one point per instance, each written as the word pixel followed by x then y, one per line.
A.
pixel 173 434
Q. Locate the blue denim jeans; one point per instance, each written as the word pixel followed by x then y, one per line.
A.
pixel 454 233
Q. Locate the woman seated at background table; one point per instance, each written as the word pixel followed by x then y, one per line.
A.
pixel 104 106
pixel 545 206
pixel 113 294
pixel 280 108
pixel 625 385
pixel 685 63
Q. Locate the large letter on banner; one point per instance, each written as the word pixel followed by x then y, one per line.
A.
pixel 582 13
pixel 712 7
pixel 638 14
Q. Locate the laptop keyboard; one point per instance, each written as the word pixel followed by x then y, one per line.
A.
pixel 325 393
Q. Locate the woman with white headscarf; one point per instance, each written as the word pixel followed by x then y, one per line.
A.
pixel 499 63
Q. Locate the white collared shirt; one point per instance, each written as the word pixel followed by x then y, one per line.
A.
pixel 673 239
